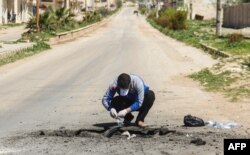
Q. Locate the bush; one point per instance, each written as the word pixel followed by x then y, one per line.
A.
pixel 172 19
pixel 103 12
pixel 93 17
pixel 118 3
pixel 179 20
pixel 167 12
pixel 164 21
pixel 31 24
pixel 152 14
pixel 48 21
pixel 235 37
pixel 52 20
pixel 142 9
pixel 37 37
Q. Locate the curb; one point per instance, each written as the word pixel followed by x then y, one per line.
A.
pixel 9 53
pixel 74 34
pixel 213 50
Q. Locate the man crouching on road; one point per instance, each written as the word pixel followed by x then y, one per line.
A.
pixel 133 95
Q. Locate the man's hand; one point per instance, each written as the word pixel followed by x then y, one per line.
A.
pixel 113 113
pixel 124 112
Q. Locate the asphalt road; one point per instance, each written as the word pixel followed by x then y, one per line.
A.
pixel 64 86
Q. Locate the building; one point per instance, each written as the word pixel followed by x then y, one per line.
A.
pixel 169 4
pixel 15 11
pixel 18 11
pixel 205 8
pixel 1 12
pixel 44 4
pixel 75 5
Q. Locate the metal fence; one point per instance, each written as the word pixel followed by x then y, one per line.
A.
pixel 237 16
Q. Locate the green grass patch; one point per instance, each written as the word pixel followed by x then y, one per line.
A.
pixel 237 48
pixel 204 32
pixel 77 26
pixel 37 48
pixel 211 81
pixel 221 83
pixel 37 37
pixel 193 35
pixel 236 93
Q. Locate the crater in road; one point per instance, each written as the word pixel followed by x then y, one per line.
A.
pixel 105 132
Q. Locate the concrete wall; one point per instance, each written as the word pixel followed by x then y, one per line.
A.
pixel 206 8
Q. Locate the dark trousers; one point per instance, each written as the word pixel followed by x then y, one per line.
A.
pixel 121 102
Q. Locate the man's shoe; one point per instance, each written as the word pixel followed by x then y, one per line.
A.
pixel 141 124
pixel 128 119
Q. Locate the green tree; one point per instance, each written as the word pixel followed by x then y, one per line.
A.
pixel 52 19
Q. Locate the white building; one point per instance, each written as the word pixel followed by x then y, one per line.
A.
pixel 206 8
pixel 18 11
pixel 1 11
pixel 15 11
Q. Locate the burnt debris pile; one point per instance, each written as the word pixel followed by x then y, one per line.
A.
pixel 107 132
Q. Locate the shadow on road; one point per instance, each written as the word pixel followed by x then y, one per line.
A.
pixel 105 125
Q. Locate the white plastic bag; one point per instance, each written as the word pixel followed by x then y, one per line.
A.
pixel 223 125
pixel 119 121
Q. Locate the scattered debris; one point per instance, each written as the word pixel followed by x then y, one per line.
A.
pixel 120 121
pixel 193 121
pixel 108 133
pixel 130 131
pixel 68 133
pixel 41 133
pixel 126 133
pixel 189 135
pixel 198 17
pixel 164 131
pixel 198 141
pixel 223 125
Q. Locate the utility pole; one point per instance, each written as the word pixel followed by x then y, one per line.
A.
pixel 191 11
pixel 157 8
pixel 218 18
pixel 66 4
pixel 37 15
pixel 101 3
pixel 108 4
pixel 85 7
pixel 95 5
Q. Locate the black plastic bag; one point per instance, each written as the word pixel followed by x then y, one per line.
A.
pixel 193 121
